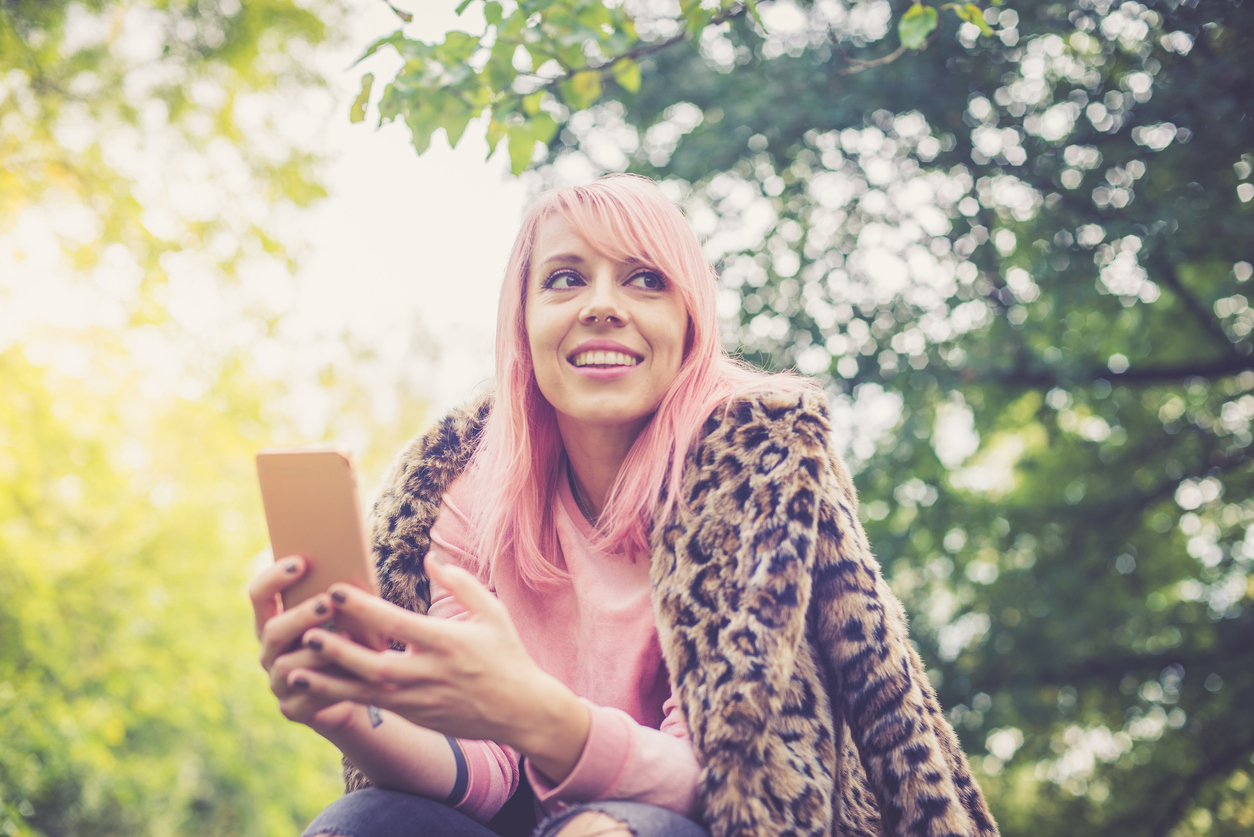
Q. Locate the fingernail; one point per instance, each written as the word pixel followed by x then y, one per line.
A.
pixel 300 683
pixel 314 643
pixel 320 608
pixel 292 567
pixel 339 597
pixel 439 560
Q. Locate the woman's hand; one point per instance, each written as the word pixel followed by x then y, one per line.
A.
pixel 281 653
pixel 469 679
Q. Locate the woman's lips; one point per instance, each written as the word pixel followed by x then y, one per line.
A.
pixel 603 360
pixel 602 365
pixel 604 373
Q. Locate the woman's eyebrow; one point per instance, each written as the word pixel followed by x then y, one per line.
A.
pixel 563 258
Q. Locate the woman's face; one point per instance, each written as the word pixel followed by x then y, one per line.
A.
pixel 606 337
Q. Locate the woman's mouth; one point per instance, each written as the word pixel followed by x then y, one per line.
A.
pixel 603 360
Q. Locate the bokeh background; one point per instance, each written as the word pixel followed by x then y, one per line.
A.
pixel 1018 259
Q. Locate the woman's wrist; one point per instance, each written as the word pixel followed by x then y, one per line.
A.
pixel 352 722
pixel 552 735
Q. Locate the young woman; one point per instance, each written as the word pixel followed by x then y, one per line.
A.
pixel 631 587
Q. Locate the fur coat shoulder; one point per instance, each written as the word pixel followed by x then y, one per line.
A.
pixel 809 709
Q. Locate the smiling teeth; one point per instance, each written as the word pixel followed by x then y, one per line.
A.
pixel 604 359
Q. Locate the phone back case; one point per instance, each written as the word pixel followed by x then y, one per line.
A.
pixel 312 509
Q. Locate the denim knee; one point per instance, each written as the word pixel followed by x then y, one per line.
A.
pixel 374 812
pixel 640 819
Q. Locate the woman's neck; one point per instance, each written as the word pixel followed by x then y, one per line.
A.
pixel 596 453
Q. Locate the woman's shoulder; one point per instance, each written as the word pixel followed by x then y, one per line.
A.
pixel 427 466
pixel 801 408
pixel 442 450
pixel 776 430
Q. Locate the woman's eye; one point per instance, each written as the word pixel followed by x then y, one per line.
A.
pixel 561 281
pixel 649 281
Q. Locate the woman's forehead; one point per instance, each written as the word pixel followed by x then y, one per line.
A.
pixel 558 240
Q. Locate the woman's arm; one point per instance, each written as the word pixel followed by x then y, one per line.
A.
pixel 401 756
pixel 396 754
pixel 624 759
pixel 470 679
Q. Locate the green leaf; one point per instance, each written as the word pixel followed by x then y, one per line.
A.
pixel 583 88
pixel 627 74
pixel 916 24
pixel 521 146
pixel 403 15
pixel 455 125
pixel 531 103
pixel 496 131
pixel 458 47
pixel 461 7
pixel 752 6
pixel 492 12
pixel 974 14
pixel 543 127
pixel 423 122
pixel 524 136
pixel 357 112
pixel 390 103
pixel 394 40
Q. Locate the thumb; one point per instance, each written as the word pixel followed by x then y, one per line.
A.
pixel 466 588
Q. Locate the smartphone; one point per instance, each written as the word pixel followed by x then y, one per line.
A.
pixel 312 510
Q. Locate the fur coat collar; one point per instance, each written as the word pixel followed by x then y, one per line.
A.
pixel 808 706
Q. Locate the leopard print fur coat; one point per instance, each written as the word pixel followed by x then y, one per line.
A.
pixel 808 706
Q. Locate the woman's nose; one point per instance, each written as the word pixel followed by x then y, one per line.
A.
pixel 604 305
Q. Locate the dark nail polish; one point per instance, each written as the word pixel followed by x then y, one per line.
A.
pixel 291 568
pixel 339 597
pixel 314 643
pixel 300 683
pixel 320 608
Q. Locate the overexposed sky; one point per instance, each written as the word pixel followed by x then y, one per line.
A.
pixel 404 257
pixel 403 241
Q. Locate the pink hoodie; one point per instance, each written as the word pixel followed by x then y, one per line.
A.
pixel 596 634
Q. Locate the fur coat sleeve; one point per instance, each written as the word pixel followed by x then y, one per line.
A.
pixel 808 707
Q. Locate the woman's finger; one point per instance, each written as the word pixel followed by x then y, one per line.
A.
pixel 383 668
pixel 364 611
pixel 468 590
pixel 286 664
pixel 325 690
pixel 283 631
pixel 265 588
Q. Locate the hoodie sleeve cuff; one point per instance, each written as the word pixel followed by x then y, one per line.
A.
pixel 604 755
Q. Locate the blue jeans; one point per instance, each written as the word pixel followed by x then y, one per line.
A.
pixel 382 813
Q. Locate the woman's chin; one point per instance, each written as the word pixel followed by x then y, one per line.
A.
pixel 608 414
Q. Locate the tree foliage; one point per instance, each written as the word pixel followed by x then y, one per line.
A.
pixel 147 135
pixel 538 60
pixel 149 125
pixel 1024 251
pixel 130 698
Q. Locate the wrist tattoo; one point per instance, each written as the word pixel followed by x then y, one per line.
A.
pixel 376 717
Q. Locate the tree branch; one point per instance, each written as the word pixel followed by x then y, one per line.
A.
pixel 1221 763
pixel 858 66
pixel 634 54
pixel 1133 376
pixel 1169 276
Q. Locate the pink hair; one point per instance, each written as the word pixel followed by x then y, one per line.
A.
pixel 518 461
